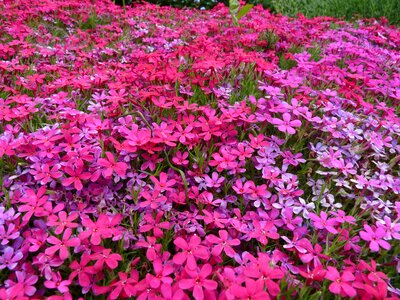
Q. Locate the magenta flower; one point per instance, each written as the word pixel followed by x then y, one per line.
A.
pixel 199 282
pixel 375 238
pixel 44 174
pixel 191 251
pixel 110 166
pixel 322 222
pixel 62 246
pixel 253 290
pixel 81 270
pixel 313 254
pixel 152 247
pixel 96 230
pixel 341 284
pixel 77 175
pixel 267 274
pixel 161 276
pixel 264 230
pixel 154 224
pixel 163 184
pixel 106 257
pixel 62 221
pixel 11 233
pixel 56 282
pixel 287 124
pixel 24 285
pixel 124 286
pixel 223 243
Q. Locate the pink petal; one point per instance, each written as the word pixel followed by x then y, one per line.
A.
pixel 335 288
pixel 186 283
pixel 180 258
pixel 181 243
pixel 210 284
pixel 198 293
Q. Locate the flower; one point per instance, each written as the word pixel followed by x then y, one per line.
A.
pixel 62 221
pixel 222 243
pixel 62 246
pixel 199 282
pixel 341 284
pixel 287 124
pixel 375 238
pixel 191 251
pixel 10 258
pixel 110 165
pixel 124 286
pixel 323 222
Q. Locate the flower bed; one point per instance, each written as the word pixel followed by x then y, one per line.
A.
pixel 158 153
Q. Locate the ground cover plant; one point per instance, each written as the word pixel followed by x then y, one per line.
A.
pixel 154 153
pixel 348 9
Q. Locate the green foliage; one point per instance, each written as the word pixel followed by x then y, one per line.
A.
pixel 340 8
pixel 237 14
pixel 310 8
pixel 233 9
pixel 244 10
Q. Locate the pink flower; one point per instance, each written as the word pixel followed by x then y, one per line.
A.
pixel 341 284
pixel 267 274
pixel 96 230
pixel 124 286
pixel 323 222
pixel 375 238
pixel 62 221
pixel 24 285
pixel 106 257
pixel 163 184
pixel 152 248
pixel 191 251
pixel 253 290
pixel 110 165
pixel 264 230
pixel 154 224
pixel 62 245
pixel 81 270
pixel 199 282
pixel 223 243
pixel 313 254
pixel 44 174
pixel 77 175
pixel 286 125
pixel 161 274
pixel 56 282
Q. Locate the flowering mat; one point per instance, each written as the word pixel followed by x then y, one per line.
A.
pixel 158 153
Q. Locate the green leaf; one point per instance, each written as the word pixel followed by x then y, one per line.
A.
pixel 234 6
pixel 233 9
pixel 244 10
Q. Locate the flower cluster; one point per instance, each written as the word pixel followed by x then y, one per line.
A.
pixel 154 153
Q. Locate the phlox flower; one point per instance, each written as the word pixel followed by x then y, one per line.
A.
pixel 323 222
pixel 24 286
pixel 222 243
pixel 375 238
pixel 198 282
pixel 342 283
pixel 62 246
pixel 191 251
pixel 62 221
pixel 110 166
pixel 287 124
pixel 124 286
pixel 10 258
